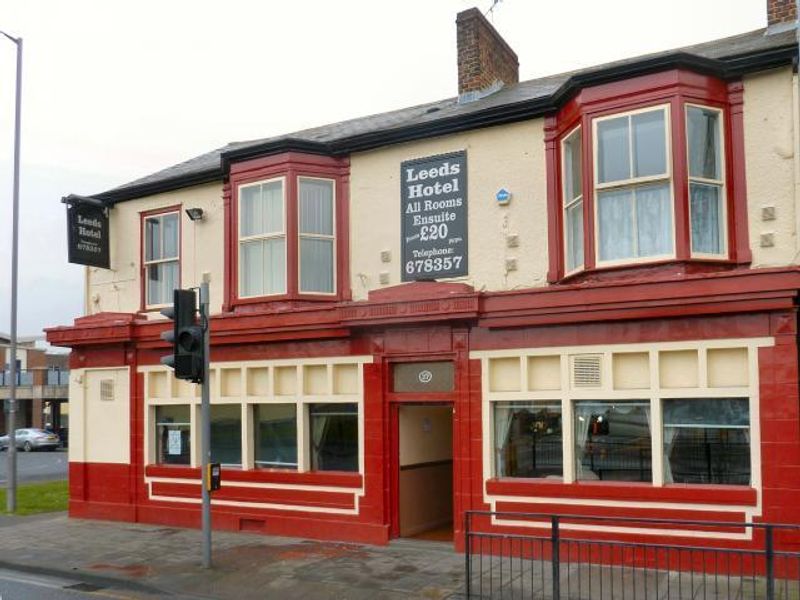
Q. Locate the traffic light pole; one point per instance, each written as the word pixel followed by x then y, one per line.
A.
pixel 205 420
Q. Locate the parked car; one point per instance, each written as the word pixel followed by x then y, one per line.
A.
pixel 32 439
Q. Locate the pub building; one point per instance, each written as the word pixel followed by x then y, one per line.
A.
pixel 576 294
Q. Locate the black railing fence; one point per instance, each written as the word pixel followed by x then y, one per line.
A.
pixel 559 559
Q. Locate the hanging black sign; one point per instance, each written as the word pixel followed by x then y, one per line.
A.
pixel 434 216
pixel 87 234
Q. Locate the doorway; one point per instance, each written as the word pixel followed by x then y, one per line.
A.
pixel 426 471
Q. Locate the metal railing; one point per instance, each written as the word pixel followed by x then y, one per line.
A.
pixel 559 559
pixel 23 378
pixel 57 377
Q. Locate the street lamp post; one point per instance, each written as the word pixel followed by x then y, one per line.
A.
pixel 11 495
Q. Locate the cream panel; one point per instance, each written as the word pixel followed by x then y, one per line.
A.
pixel 509 156
pixel 544 373
pixel 770 142
pixel 202 249
pixel 679 369
pixel 106 416
pixel 631 371
pixel 727 367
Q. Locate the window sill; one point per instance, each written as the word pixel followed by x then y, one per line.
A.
pixel 663 269
pixel 736 495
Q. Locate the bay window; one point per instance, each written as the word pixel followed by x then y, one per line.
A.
pixel 286 226
pixel 632 186
pixel 573 199
pixel 316 232
pixel 161 259
pixel 262 239
pixel 706 180
pixel 641 175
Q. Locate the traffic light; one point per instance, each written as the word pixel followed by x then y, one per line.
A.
pixel 186 337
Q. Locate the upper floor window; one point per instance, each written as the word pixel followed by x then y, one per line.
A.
pixel 262 239
pixel 161 257
pixel 317 238
pixel 706 180
pixel 287 226
pixel 632 186
pixel 640 174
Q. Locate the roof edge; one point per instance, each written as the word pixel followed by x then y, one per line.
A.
pixel 727 68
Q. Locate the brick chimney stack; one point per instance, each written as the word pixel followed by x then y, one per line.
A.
pixel 485 61
pixel 781 11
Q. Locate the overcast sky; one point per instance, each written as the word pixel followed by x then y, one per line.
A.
pixel 114 90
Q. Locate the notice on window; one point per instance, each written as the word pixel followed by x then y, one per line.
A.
pixel 174 442
pixel 87 235
pixel 434 217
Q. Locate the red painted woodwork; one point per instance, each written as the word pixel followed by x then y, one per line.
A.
pixel 658 305
pixel 624 491
pixel 321 478
pixel 677 88
pixel 142 235
pixel 291 166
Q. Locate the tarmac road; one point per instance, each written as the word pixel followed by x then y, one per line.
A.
pixel 36 466
pixel 16 585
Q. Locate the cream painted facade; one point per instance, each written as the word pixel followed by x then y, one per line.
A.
pixel 202 249
pixel 99 402
pixel 510 157
pixel 773 172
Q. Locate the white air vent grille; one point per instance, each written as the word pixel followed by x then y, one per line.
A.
pixel 107 390
pixel 586 371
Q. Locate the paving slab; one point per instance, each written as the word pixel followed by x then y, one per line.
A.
pixel 160 561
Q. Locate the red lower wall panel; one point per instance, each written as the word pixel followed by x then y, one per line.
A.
pixel 271 523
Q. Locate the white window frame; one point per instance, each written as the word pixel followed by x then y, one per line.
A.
pixel 719 182
pixel 633 182
pixel 262 236
pixel 317 236
pixel 567 204
pixel 148 263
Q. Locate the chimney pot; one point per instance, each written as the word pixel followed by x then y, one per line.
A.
pixel 485 61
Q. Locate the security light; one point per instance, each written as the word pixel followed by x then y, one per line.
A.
pixel 195 214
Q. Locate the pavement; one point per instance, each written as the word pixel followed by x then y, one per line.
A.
pixel 36 466
pixel 142 561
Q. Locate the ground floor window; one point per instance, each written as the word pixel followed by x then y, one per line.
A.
pixel 226 434
pixel 275 435
pixel 172 435
pixel 528 441
pixel 333 437
pixel 707 440
pixel 612 441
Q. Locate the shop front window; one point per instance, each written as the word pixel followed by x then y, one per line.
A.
pixel 226 434
pixel 275 436
pixel 172 435
pixel 528 441
pixel 613 440
pixel 707 440
pixel 334 437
